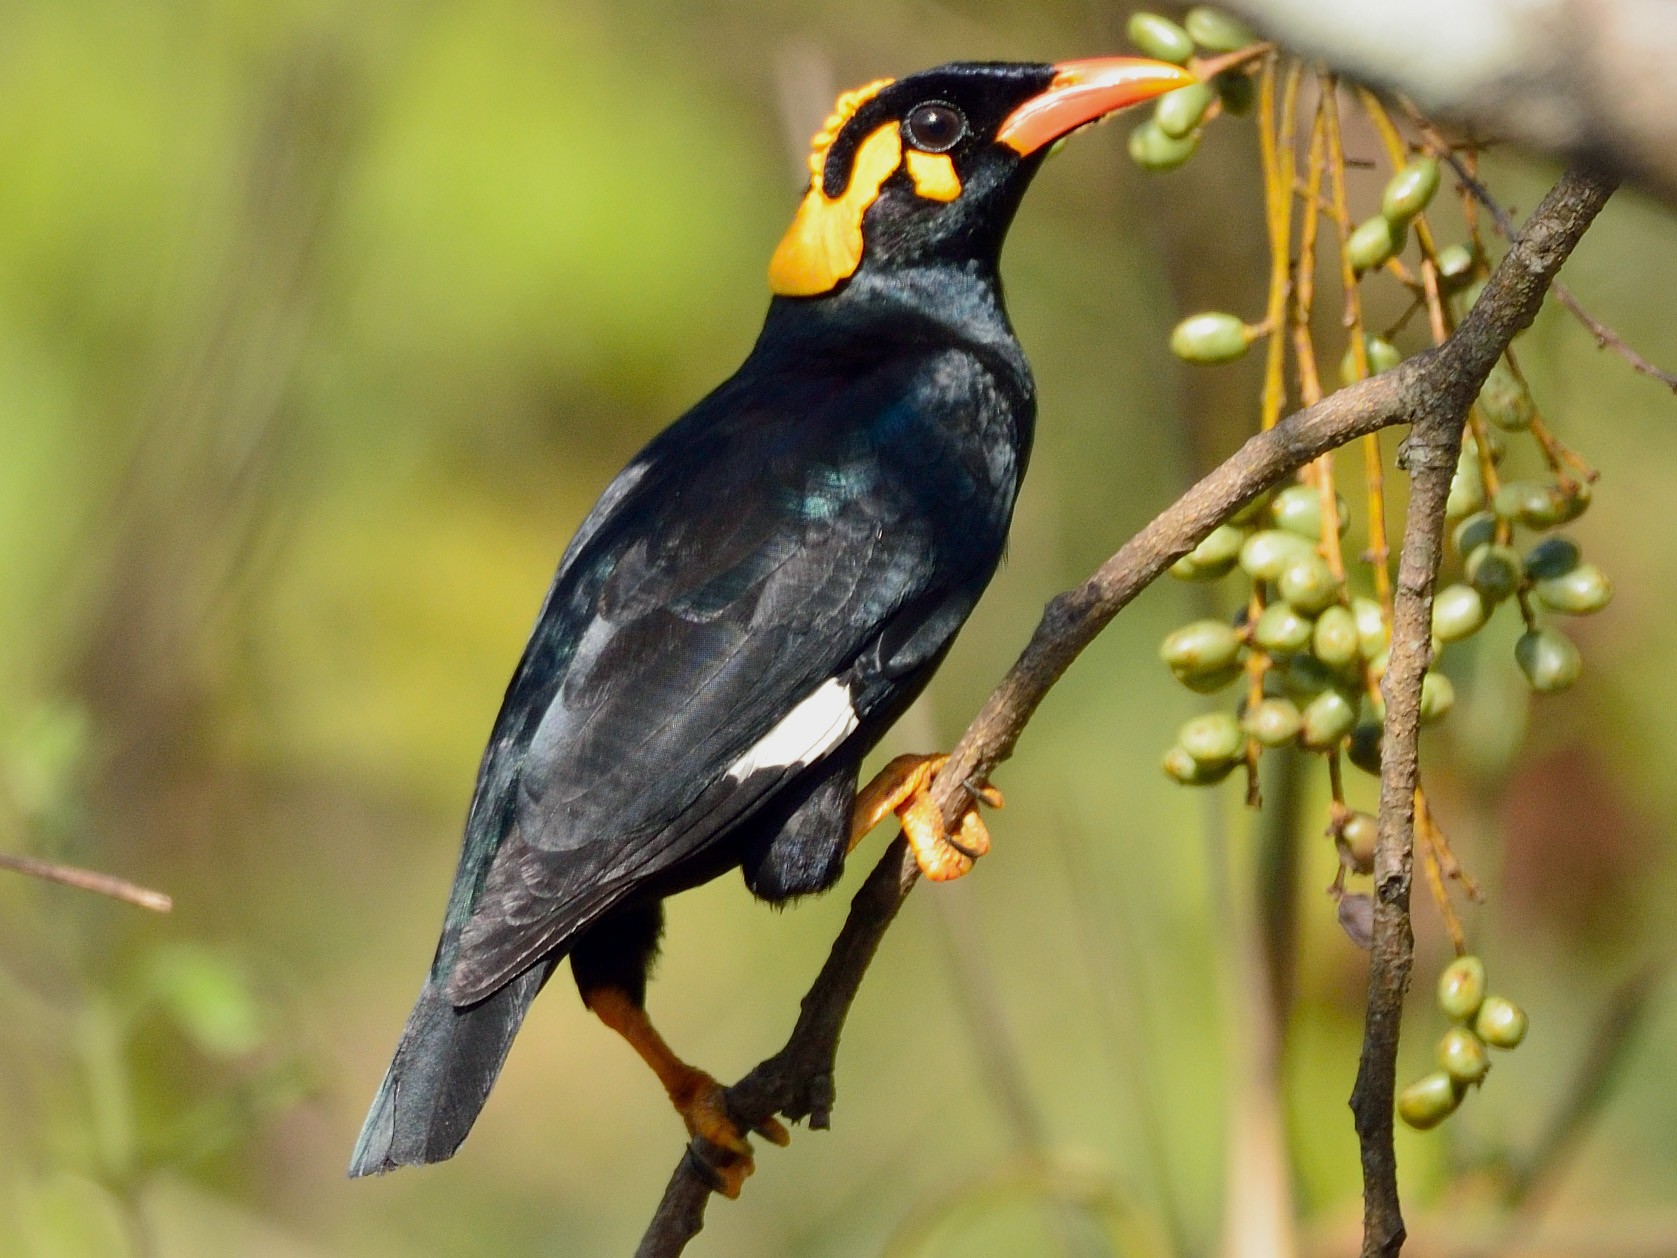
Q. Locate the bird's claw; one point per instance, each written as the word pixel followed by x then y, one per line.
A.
pixel 703 1106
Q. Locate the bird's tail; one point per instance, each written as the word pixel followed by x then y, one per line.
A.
pixel 445 1065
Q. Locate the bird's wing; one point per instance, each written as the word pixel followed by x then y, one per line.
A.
pixel 707 637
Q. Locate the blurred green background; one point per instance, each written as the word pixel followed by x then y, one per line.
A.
pixel 321 325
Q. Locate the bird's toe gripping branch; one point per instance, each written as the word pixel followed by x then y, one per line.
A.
pixel 904 787
pixel 703 1106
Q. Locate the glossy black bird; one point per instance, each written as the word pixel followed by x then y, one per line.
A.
pixel 758 596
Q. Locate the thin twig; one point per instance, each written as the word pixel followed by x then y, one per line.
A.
pixel 798 1081
pixel 87 880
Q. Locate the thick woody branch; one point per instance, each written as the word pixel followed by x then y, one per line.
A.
pixel 1432 391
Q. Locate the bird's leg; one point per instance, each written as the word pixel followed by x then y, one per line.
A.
pixel 904 787
pixel 697 1097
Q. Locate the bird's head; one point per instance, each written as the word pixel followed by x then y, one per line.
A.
pixel 929 169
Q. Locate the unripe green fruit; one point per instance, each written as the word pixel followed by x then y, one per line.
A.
pixel 1273 722
pixel 1500 1022
pixel 1160 37
pixel 1358 835
pixel 1212 739
pixel 1373 242
pixel 1239 91
pixel 1308 584
pixel 1212 337
pixel 1461 988
pixel 1202 646
pixel 1505 401
pixel 1326 720
pixel 1208 683
pixel 1306 677
pixel 1372 635
pixel 1462 1056
pixel 1494 443
pixel 1535 504
pixel 1578 592
pixel 1495 571
pixel 1152 149
pixel 1364 748
pixel 1382 356
pixel 1429 1101
pixel 1298 509
pixel 1213 557
pixel 1282 631
pixel 1335 638
pixel 1216 31
pixel 1467 491
pixel 1438 696
pixel 1190 772
pixel 1456 265
pixel 1266 555
pixel 1548 659
pixel 1552 557
pixel 1574 502
pixel 1479 529
pixel 1252 513
pixel 1408 191
pixel 1457 612
pixel 1179 112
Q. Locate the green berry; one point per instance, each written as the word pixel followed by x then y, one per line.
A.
pixel 1495 445
pixel 1160 37
pixel 1190 772
pixel 1572 501
pixel 1456 265
pixel 1239 91
pixel 1308 584
pixel 1266 555
pixel 1282 631
pixel 1273 722
pixel 1358 835
pixel 1438 696
pixel 1179 112
pixel 1382 356
pixel 1578 592
pixel 1152 149
pixel 1306 677
pixel 1213 557
pixel 1335 640
pixel 1208 683
pixel 1500 1022
pixel 1461 988
pixel 1252 512
pixel 1202 646
pixel 1462 1056
pixel 1479 529
pixel 1429 1101
pixel 1216 31
pixel 1211 337
pixel 1467 490
pixel 1373 242
pixel 1552 557
pixel 1298 509
pixel 1372 635
pixel 1505 401
pixel 1457 613
pixel 1408 191
pixel 1535 504
pixel 1548 659
pixel 1212 739
pixel 1364 749
pixel 1495 571
pixel 1326 720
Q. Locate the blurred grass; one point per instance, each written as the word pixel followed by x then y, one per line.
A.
pixel 320 328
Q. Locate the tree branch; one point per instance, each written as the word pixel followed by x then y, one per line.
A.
pixel 1432 390
pixel 87 880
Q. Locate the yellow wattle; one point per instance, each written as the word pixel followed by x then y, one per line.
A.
pixel 823 246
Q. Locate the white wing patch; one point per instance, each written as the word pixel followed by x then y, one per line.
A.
pixel 804 734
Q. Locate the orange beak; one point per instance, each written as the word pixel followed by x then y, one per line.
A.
pixel 1084 91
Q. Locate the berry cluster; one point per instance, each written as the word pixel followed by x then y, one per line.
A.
pixel 1482 1021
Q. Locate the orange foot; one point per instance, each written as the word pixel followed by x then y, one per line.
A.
pixel 699 1099
pixel 903 787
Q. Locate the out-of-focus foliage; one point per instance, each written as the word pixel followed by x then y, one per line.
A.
pixel 320 327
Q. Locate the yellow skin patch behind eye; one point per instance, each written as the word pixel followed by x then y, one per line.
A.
pixel 824 244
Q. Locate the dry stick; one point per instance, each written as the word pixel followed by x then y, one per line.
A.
pixel 88 880
pixel 1431 390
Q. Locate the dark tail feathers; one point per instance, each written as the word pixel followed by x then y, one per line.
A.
pixel 445 1064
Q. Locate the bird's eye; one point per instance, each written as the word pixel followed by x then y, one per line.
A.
pixel 934 127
